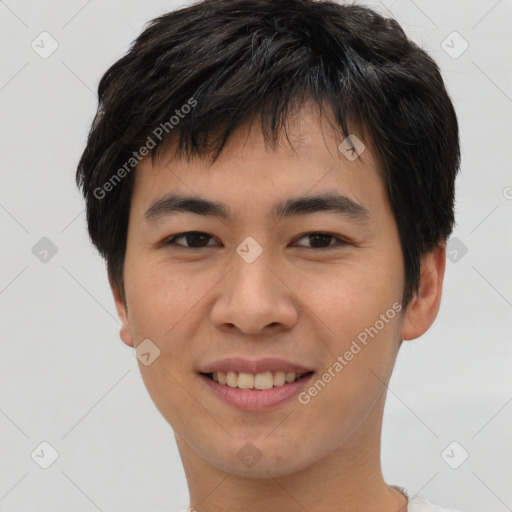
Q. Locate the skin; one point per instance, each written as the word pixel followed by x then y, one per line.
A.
pixel 295 302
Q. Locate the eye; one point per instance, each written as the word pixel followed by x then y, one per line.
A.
pixel 322 240
pixel 195 239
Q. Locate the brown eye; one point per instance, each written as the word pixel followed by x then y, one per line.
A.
pixel 322 240
pixel 193 239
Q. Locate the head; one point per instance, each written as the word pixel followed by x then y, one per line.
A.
pixel 274 121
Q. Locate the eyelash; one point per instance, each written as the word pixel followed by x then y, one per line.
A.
pixel 172 241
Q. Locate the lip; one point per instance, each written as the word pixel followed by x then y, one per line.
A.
pixel 256 400
pixel 239 364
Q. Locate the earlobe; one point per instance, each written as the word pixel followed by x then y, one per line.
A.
pixel 125 333
pixel 424 306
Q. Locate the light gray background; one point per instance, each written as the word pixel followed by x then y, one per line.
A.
pixel 67 379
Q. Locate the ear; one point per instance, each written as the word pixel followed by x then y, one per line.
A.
pixel 424 306
pixel 122 311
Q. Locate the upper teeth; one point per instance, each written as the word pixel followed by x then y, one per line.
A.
pixel 265 380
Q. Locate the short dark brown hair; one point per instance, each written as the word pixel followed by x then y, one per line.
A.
pixel 231 60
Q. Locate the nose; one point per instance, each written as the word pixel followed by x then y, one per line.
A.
pixel 255 298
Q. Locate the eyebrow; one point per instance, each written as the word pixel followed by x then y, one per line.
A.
pixel 328 202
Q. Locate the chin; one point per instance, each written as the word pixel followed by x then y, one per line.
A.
pixel 261 458
pixel 266 467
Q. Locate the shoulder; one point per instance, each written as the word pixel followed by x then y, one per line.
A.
pixel 419 503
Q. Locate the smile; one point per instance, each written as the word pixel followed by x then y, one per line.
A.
pixel 255 382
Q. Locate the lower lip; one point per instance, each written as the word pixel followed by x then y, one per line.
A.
pixel 256 400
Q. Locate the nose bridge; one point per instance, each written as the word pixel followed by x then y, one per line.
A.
pixel 252 278
pixel 252 297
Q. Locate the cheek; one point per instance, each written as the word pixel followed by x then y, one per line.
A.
pixel 161 296
pixel 346 299
pixel 159 301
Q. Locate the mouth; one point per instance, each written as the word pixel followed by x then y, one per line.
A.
pixel 256 382
pixel 254 385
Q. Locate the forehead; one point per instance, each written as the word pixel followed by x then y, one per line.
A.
pixel 312 156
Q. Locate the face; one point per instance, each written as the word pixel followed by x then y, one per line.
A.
pixel 310 289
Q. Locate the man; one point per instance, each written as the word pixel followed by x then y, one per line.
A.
pixel 272 192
